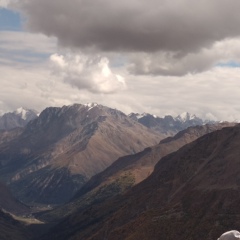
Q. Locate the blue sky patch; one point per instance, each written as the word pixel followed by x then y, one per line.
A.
pixel 9 20
pixel 229 64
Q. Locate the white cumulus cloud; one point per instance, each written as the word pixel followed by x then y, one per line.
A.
pixel 91 73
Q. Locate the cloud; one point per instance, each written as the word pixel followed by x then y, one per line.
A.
pixel 93 74
pixel 22 41
pixel 156 25
pixel 221 53
pixel 157 37
pixel 180 55
pixel 17 47
pixel 4 3
pixel 214 93
pixel 36 88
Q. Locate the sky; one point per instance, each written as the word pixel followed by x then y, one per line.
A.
pixel 156 56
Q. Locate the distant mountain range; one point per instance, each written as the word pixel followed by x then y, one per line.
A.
pixel 169 124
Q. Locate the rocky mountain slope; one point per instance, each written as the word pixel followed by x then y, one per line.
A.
pixel 19 118
pixel 8 135
pixel 11 229
pixel 192 194
pixel 128 171
pixel 169 124
pixel 9 203
pixel 64 147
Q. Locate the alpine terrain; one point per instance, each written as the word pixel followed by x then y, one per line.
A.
pixel 127 171
pixel 169 124
pixel 192 194
pixel 56 153
pixel 19 118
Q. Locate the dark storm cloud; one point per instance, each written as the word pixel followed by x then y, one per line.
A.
pixel 180 26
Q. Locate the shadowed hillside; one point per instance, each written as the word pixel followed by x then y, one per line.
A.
pixel 11 229
pixel 127 171
pixel 192 194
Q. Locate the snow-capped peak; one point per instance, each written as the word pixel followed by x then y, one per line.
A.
pixel 22 112
pixel 90 105
pixel 139 116
pixel 26 114
pixel 185 116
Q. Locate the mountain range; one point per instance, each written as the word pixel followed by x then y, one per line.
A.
pixel 117 176
pixel 168 124
pixel 192 194
pixel 56 153
pixel 51 155
pixel 128 171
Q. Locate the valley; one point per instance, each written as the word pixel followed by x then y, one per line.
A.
pixel 89 172
pixel 119 120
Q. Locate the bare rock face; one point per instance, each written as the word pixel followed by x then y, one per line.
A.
pixel 192 194
pixel 62 148
pixel 19 118
pixel 8 135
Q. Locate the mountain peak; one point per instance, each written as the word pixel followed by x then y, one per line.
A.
pixel 90 105
pixel 18 118
pixel 74 144
pixel 22 112
pixel 137 116
pixel 168 125
pixel 186 116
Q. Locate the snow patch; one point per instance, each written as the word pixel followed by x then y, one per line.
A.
pixel 90 105
pixel 22 112
pixel 185 116
pixel 141 115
